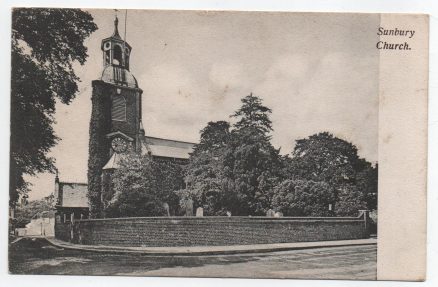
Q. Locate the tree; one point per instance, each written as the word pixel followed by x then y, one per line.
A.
pixel 206 183
pixel 350 199
pixel 367 181
pixel 325 158
pixel 235 171
pixel 253 116
pixel 45 45
pixel 26 211
pixel 304 198
pixel 142 186
pixel 214 138
pixel 251 162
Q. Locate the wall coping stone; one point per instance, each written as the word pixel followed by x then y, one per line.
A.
pixel 226 218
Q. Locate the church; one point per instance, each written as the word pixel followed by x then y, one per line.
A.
pixel 115 128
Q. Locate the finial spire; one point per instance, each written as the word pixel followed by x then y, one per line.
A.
pixel 116 25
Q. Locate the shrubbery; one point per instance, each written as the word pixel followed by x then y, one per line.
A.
pixel 25 211
pixel 236 169
pixel 142 186
pixel 304 198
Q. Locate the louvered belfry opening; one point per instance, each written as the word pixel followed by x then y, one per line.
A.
pixel 118 111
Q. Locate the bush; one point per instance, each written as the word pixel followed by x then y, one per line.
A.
pixel 136 203
pixel 303 198
pixel 142 186
pixel 350 201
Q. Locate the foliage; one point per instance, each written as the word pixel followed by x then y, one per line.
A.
pixel 45 45
pixel 214 138
pixel 325 158
pixel 235 170
pixel 303 198
pixel 25 211
pixel 240 171
pixel 98 147
pixel 367 182
pixel 253 116
pixel 250 161
pixel 205 178
pixel 350 200
pixel 142 186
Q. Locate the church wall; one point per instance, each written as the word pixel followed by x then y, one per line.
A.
pixel 99 145
pixel 216 231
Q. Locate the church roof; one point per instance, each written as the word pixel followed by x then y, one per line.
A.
pixel 113 162
pixel 168 148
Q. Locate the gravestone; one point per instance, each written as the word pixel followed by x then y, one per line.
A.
pixel 188 207
pixel 166 207
pixel 270 213
pixel 199 212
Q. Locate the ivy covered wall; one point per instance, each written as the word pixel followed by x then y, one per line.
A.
pixel 99 145
pixel 102 124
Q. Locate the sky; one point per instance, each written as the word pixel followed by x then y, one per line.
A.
pixel 317 72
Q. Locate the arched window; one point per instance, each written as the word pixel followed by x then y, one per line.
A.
pixel 117 58
pixel 118 110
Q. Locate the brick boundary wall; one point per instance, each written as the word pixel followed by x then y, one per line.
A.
pixel 213 231
pixel 63 231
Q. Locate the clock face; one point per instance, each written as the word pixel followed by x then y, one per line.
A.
pixel 119 145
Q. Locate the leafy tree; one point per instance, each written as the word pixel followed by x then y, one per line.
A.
pixel 253 116
pixel 235 171
pixel 206 183
pixel 350 199
pixel 27 210
pixel 304 198
pixel 142 186
pixel 325 158
pixel 214 138
pixel 250 161
pixel 45 45
pixel 367 181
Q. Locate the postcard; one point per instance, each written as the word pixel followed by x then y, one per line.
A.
pixel 218 144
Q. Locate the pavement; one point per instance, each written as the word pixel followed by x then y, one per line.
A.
pixel 209 250
pixel 38 256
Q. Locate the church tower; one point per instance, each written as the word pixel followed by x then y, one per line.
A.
pixel 115 125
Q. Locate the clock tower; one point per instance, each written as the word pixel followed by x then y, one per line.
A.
pixel 115 125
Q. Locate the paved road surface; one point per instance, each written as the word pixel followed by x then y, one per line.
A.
pixel 35 256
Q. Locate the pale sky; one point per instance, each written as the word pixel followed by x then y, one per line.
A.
pixel 317 72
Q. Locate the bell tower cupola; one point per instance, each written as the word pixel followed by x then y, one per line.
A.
pixel 116 55
pixel 115 50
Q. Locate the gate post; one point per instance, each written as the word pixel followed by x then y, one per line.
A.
pixel 366 218
pixel 72 226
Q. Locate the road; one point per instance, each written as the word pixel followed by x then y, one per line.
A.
pixel 35 256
